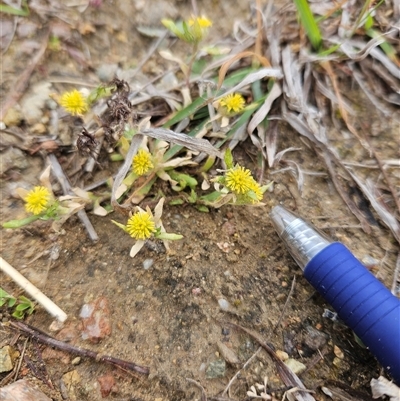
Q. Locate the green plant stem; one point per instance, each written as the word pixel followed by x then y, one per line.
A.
pixel 21 223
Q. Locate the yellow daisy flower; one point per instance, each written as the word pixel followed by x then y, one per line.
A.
pixel 256 188
pixel 141 225
pixel 233 103
pixel 37 200
pixel 141 162
pixel 239 179
pixel 203 22
pixel 74 102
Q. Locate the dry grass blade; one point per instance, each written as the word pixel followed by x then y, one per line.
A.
pixel 328 68
pixel 225 67
pixel 364 86
pixel 396 278
pixel 134 147
pixel 194 144
pixel 253 77
pixel 373 194
pixel 263 111
pixel 344 194
pixel 198 385
pixel 287 376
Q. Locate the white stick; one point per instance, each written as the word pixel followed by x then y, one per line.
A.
pixel 34 292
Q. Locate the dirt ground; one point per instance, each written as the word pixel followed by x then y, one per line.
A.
pixel 167 317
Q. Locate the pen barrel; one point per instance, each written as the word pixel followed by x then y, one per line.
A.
pixel 361 301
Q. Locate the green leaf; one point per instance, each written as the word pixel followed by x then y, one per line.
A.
pixel 22 307
pixel 208 164
pixel 119 225
pixel 4 294
pixel 168 236
pixel 18 314
pixel 228 158
pixel 22 222
pixel 176 202
pixel 202 208
pixel 23 12
pixel 309 23
pixel 12 302
pixel 183 179
pixel 186 112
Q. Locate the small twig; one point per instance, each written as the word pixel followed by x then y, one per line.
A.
pixel 66 187
pixel 286 374
pixel 197 384
pixel 21 359
pixel 33 291
pixel 286 304
pixel 238 372
pixel 52 342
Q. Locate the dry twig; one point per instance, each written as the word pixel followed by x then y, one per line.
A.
pixel 61 345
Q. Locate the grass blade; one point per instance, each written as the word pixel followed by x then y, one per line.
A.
pixel 308 22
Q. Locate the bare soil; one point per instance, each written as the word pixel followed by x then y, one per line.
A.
pixel 168 317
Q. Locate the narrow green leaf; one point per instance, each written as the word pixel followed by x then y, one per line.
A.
pixel 21 223
pixel 23 12
pixel 186 112
pixel 308 22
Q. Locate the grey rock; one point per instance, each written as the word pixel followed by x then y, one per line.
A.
pixel 34 102
pixel 12 158
pixel 216 369
pixel 314 338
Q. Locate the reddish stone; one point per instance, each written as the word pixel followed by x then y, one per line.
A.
pixel 229 228
pixel 96 320
pixel 69 333
pixel 107 384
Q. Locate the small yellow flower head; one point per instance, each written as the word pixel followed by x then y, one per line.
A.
pixel 141 162
pixel 239 179
pixel 256 188
pixel 37 200
pixel 74 102
pixel 233 103
pixel 141 225
pixel 203 22
pixel 192 30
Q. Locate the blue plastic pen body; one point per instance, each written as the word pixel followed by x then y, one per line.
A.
pixel 361 301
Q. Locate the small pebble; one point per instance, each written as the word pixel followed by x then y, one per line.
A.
pixel 282 355
pixel 295 366
pixel 224 304
pixel 76 361
pixel 147 263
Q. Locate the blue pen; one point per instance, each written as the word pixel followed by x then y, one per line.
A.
pixel 360 300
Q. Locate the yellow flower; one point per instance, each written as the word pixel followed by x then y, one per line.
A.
pixel 256 188
pixel 37 200
pixel 238 179
pixel 203 22
pixel 233 103
pixel 141 162
pixel 192 30
pixel 141 225
pixel 74 102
